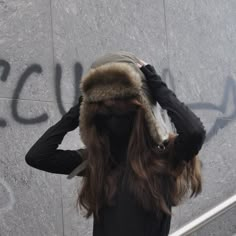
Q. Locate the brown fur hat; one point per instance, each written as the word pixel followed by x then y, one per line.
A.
pixel 116 75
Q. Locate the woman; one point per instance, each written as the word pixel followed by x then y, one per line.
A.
pixel 134 170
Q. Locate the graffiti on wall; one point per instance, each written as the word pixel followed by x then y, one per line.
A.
pixel 26 75
pixel 218 123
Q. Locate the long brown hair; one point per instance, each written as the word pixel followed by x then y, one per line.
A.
pixel 154 176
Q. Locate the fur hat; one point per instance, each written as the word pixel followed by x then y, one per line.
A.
pixel 116 75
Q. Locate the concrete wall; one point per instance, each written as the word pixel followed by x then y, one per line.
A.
pixel 221 226
pixel 45 46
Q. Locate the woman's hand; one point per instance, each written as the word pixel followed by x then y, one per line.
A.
pixel 72 116
pixel 149 71
pixel 141 63
pixel 154 81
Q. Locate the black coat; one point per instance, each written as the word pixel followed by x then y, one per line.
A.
pixel 126 218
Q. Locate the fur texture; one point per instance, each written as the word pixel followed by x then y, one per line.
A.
pixel 117 80
pixel 112 80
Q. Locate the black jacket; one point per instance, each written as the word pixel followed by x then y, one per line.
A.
pixel 126 218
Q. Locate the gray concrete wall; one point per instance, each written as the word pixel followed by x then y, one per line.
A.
pixel 45 46
pixel 223 225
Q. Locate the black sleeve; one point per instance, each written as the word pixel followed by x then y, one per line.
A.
pixel 191 132
pixel 44 155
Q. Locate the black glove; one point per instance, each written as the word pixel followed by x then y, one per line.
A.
pixel 154 81
pixel 72 116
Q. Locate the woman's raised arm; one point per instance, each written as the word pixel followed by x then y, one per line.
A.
pixel 44 155
pixel 191 132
